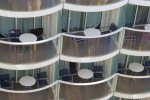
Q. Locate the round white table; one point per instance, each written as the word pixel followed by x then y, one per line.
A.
pixel 147 27
pixel 85 73
pixel 92 32
pixel 27 37
pixel 136 67
pixel 27 81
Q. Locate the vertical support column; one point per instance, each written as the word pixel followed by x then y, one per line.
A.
pixel 34 22
pixel 60 45
pixel 126 62
pixel 69 19
pixel 57 91
pixel 121 38
pixel 16 76
pixel 85 20
pixel 135 15
pixel 33 73
pixel 16 25
pixel 114 83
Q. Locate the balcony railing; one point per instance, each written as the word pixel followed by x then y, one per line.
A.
pixel 28 53
pixel 123 86
pixel 92 2
pixel 27 5
pixel 83 46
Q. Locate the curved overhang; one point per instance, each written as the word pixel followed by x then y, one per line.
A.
pixel 134 52
pixel 140 2
pixel 95 8
pixel 28 66
pixel 132 96
pixel 28 14
pixel 88 59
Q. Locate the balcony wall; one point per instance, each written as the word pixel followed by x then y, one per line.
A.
pixel 29 55
pixel 29 8
pixel 122 86
pixel 136 42
pixel 93 5
pixel 89 49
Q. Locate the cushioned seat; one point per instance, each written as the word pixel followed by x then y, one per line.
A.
pixel 38 32
pixel 6 85
pixel 42 82
pixel 64 75
pixel 41 75
pixel 97 68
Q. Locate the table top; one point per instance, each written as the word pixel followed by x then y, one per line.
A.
pixel 147 27
pixel 27 81
pixel 136 67
pixel 27 37
pixel 85 73
pixel 92 32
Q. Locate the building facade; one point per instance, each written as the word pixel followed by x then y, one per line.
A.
pixel 53 61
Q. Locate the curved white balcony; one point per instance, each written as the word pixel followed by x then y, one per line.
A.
pixel 89 49
pixel 24 56
pixel 132 87
pixel 29 8
pixel 118 85
pixel 93 5
pixel 136 42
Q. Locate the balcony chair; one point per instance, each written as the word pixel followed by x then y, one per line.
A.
pixel 41 75
pixel 121 69
pixel 41 83
pixel 98 68
pixel 6 85
pixel 148 71
pixel 79 40
pixel 5 81
pixel 5 77
pixel 147 64
pixel 38 32
pixel 14 35
pixel 65 75
pixel 97 76
pixel 111 28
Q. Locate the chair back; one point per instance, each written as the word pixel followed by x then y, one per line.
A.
pixel 63 72
pixel 98 75
pixel 12 33
pixel 4 77
pixel 37 31
pixel 147 63
pixel 113 27
pixel 41 75
pixel 97 68
pixel 119 66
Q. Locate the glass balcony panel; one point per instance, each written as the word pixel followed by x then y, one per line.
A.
pixel 87 92
pixel 84 47
pixel 132 85
pixel 46 94
pixel 27 5
pixel 135 40
pixel 92 2
pixel 26 54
